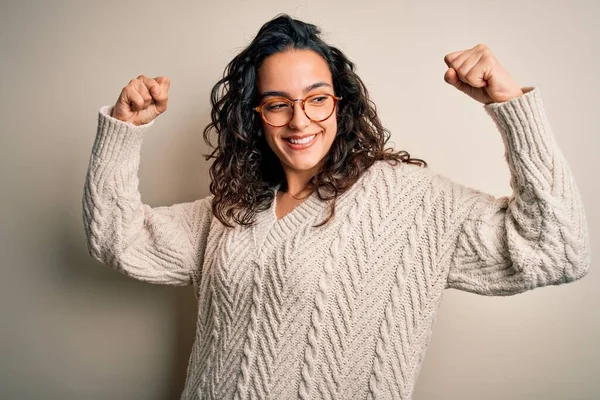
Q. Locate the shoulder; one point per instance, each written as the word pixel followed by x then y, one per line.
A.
pixel 400 172
pixel 195 211
pixel 389 182
pixel 399 182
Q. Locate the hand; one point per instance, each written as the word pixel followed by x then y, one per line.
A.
pixel 142 100
pixel 477 73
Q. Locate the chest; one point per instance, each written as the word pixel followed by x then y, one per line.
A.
pixel 284 205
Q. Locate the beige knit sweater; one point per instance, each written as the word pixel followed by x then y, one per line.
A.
pixel 344 311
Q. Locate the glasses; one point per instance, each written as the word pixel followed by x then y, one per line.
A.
pixel 280 111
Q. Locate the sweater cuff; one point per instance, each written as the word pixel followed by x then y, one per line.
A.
pixel 116 139
pixel 526 132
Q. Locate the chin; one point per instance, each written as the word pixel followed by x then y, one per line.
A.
pixel 304 165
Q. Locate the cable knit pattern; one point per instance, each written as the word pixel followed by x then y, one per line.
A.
pixel 343 311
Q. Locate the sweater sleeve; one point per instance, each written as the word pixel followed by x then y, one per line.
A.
pixel 535 237
pixel 158 245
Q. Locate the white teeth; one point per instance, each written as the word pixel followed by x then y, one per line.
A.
pixel 305 140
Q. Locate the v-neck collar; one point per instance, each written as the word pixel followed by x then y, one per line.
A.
pixel 270 230
pixel 307 209
pixel 310 199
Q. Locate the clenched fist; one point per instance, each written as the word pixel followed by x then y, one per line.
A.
pixel 478 73
pixel 142 100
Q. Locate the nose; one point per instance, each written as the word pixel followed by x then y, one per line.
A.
pixel 299 120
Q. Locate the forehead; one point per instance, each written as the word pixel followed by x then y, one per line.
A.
pixel 292 71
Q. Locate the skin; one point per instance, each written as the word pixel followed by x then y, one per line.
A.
pixel 477 73
pixel 142 100
pixel 293 72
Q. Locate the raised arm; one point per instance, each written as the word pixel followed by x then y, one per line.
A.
pixel 535 237
pixel 158 245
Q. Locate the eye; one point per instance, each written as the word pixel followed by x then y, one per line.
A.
pixel 319 99
pixel 276 106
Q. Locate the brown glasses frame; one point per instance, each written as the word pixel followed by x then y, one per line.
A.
pixel 259 109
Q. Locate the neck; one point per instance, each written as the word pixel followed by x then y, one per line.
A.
pixel 297 181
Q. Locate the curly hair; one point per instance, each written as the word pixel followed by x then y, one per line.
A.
pixel 246 170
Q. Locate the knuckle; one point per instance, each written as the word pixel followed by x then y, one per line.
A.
pixel 472 74
pixel 486 54
pixel 463 71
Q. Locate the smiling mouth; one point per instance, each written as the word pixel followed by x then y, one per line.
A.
pixel 304 140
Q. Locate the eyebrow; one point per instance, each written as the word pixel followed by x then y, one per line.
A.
pixel 286 94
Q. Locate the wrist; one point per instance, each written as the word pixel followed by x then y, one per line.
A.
pixel 509 96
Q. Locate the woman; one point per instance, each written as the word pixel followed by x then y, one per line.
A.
pixel 320 258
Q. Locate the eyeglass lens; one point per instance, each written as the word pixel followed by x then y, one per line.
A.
pixel 317 108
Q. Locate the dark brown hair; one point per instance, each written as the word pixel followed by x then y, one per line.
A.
pixel 246 170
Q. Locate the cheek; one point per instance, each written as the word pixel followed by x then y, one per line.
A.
pixel 331 128
pixel 270 135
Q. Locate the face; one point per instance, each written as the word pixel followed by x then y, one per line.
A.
pixel 296 74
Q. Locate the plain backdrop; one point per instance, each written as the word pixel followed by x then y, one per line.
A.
pixel 72 328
